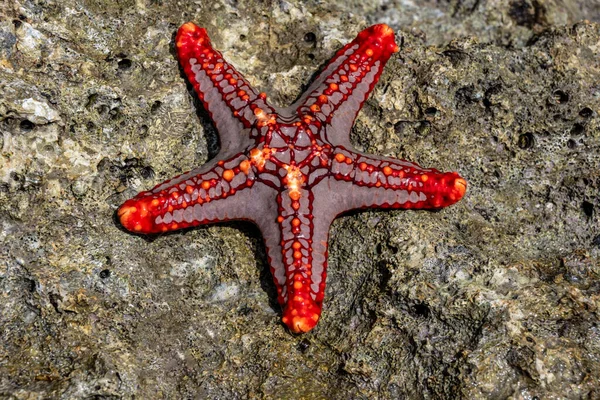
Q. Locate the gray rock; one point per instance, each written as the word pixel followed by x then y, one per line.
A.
pixel 496 297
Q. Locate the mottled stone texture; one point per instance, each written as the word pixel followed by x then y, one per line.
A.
pixel 494 297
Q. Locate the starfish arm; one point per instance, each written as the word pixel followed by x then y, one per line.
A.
pixel 301 284
pixel 338 93
pixel 382 182
pixel 232 103
pixel 197 197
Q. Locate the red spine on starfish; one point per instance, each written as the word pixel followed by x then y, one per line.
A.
pixel 289 170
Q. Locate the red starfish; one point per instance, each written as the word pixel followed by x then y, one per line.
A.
pixel 289 170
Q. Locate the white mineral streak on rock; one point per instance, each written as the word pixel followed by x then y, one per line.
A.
pixel 38 112
pixel 30 41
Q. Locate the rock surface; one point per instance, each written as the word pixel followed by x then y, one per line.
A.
pixel 496 297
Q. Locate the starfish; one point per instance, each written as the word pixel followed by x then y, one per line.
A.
pixel 290 170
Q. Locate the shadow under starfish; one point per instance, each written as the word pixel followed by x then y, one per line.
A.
pixel 290 170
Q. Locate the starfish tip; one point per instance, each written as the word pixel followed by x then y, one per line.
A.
pixel 383 30
pixel 190 33
pixel 381 37
pixel 133 216
pixel 460 187
pixel 301 324
pixel 126 214
pixel 301 319
pixel 188 27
